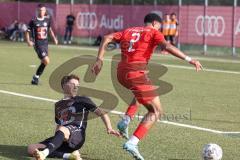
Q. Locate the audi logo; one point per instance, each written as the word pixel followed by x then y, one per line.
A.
pixel 214 25
pixel 86 20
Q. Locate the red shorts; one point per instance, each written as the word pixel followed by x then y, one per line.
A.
pixel 136 79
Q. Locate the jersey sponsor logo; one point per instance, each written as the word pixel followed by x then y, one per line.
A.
pixel 210 26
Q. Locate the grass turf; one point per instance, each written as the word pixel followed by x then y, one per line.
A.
pixel 212 98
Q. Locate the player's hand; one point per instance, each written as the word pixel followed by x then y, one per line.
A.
pixel 113 132
pixel 176 35
pixel 97 66
pixel 197 65
pixel 56 41
pixel 30 43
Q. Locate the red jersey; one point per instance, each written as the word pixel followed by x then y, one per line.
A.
pixel 138 43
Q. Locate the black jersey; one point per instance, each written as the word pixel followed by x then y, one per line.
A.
pixel 39 29
pixel 74 111
pixel 70 20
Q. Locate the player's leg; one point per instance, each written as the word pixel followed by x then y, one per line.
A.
pixel 43 55
pixel 146 94
pixel 71 147
pixel 154 111
pixel 64 151
pixel 70 35
pixel 172 40
pixel 65 36
pixel 126 119
pixel 62 134
pixel 167 38
pixel 32 147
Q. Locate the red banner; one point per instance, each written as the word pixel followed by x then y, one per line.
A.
pixel 217 25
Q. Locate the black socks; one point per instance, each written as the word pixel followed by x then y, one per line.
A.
pixel 40 69
pixel 56 142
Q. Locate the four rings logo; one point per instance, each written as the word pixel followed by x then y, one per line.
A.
pixel 210 25
pixel 86 20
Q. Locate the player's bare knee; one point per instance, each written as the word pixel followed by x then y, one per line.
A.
pixel 65 131
pixel 46 61
pixel 154 109
pixel 157 106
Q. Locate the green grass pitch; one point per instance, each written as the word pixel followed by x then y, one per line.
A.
pixel 208 99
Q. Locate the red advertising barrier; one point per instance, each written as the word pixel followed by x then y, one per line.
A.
pixel 217 26
pixel 92 20
pixel 24 12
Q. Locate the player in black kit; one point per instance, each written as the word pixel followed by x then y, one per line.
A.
pixel 71 115
pixel 39 28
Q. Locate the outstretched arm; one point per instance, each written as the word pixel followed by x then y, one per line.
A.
pixel 101 51
pixel 53 36
pixel 106 120
pixel 27 36
pixel 176 52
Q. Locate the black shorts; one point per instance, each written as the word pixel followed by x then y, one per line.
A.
pixel 75 142
pixel 167 38
pixel 172 40
pixel 41 50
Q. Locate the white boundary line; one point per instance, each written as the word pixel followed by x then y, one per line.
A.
pixel 169 65
pixel 183 67
pixel 121 113
pixel 212 59
pixel 190 68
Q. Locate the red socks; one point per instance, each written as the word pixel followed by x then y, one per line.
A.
pixel 132 109
pixel 141 131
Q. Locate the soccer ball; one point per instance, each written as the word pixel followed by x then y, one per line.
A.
pixel 212 152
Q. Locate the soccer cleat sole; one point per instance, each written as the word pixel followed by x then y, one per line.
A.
pixel 135 156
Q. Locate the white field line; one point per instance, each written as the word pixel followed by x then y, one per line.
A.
pixel 215 59
pixel 169 65
pixel 121 113
pixel 190 67
pixel 184 67
pixel 155 55
pixel 204 69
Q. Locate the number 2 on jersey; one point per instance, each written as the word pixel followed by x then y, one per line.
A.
pixel 135 38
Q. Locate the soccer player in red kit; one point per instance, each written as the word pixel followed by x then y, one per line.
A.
pixel 137 45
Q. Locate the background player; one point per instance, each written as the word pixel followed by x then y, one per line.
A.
pixel 166 26
pixel 69 28
pixel 137 45
pixel 71 115
pixel 39 28
pixel 173 31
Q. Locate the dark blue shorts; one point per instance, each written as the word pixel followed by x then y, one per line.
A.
pixel 41 50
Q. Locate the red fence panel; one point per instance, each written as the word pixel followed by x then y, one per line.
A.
pixel 94 20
